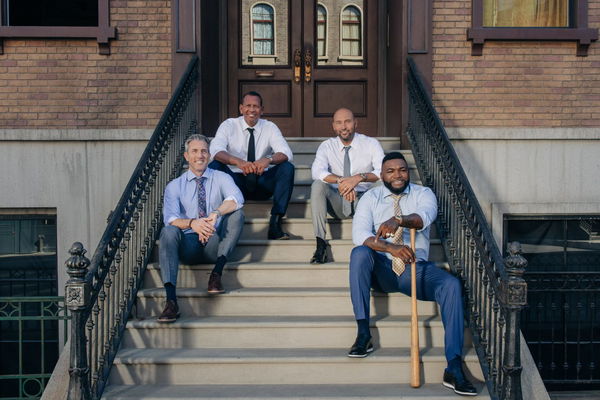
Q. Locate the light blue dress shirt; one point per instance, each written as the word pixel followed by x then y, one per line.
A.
pixel 181 195
pixel 377 206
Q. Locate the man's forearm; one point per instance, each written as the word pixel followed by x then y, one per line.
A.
pixel 227 158
pixel 411 221
pixel 379 245
pixel 228 206
pixel 278 158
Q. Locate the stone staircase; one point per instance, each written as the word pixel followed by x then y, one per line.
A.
pixel 284 326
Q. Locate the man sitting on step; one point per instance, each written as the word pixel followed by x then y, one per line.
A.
pixel 253 151
pixel 344 168
pixel 382 261
pixel 203 222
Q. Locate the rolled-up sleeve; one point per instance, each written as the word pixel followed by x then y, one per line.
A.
pixel 377 157
pixel 320 166
pixel 427 207
pixel 219 142
pixel 230 191
pixel 171 209
pixel 362 223
pixel 278 143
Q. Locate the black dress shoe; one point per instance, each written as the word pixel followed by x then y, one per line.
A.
pixel 362 347
pixel 170 313
pixel 320 256
pixel 214 284
pixel 275 231
pixel 458 383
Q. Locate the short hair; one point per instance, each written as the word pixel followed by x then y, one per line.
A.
pixel 393 156
pixel 195 136
pixel 251 93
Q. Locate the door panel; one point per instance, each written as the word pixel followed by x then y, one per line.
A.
pixel 306 59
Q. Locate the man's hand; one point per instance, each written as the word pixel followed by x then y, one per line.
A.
pixel 247 167
pixel 261 165
pixel 204 227
pixel 404 253
pixel 350 196
pixel 387 229
pixel 347 184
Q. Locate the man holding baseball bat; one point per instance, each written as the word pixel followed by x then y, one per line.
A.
pixel 381 260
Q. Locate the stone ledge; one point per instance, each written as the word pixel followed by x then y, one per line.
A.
pixel 75 134
pixel 525 133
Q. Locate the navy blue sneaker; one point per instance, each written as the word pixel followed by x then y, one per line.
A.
pixel 362 347
pixel 457 382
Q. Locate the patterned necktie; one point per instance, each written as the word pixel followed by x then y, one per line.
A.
pixel 346 205
pixel 397 264
pixel 251 146
pixel 201 196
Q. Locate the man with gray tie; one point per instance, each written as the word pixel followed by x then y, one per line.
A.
pixel 345 167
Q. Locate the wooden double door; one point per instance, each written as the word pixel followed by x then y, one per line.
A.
pixel 306 58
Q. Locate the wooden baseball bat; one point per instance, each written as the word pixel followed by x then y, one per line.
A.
pixel 415 378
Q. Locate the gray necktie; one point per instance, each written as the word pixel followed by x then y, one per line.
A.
pixel 346 205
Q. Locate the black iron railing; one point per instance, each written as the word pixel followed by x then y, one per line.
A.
pixel 101 298
pixel 495 291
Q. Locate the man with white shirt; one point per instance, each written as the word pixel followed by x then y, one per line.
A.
pixel 255 154
pixel 203 222
pixel 344 168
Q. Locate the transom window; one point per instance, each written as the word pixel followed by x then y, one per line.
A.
pixel 263 29
pixel 351 32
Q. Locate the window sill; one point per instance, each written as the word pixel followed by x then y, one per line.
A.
pixel 583 36
pixel 101 33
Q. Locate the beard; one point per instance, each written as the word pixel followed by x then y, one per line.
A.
pixel 393 189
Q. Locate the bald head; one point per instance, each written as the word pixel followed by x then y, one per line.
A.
pixel 344 125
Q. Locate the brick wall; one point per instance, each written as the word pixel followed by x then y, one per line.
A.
pixel 58 83
pixel 526 84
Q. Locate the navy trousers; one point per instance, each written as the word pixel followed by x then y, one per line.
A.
pixel 370 269
pixel 277 181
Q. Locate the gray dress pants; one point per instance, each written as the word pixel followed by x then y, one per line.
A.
pixel 325 198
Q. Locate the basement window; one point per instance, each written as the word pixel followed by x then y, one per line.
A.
pixel 79 19
pixel 558 20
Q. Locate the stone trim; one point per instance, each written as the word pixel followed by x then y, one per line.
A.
pixel 523 133
pixel 55 135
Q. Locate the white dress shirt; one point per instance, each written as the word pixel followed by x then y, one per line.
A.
pixel 377 206
pixel 181 195
pixel 365 155
pixel 232 137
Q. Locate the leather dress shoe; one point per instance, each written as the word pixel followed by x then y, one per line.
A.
pixel 275 231
pixel 214 284
pixel 361 348
pixel 457 382
pixel 170 313
pixel 320 256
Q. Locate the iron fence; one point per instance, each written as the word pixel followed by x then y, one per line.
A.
pixel 495 291
pixel 101 297
pixel 30 343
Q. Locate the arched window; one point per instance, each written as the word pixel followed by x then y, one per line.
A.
pixel 263 29
pixel 351 32
pixel 321 31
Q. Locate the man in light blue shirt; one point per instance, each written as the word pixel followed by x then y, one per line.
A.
pixel 379 215
pixel 203 222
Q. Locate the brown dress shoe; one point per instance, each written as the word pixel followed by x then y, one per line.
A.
pixel 214 284
pixel 170 313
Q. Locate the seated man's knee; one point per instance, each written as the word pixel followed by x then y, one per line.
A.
pixel 286 168
pixel 360 255
pixel 237 217
pixel 452 285
pixel 169 232
pixel 318 187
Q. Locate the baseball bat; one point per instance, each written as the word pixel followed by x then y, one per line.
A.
pixel 415 378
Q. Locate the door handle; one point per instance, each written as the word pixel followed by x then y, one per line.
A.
pixel 297 66
pixel 307 65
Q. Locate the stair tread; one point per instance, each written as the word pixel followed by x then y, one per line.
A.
pixel 273 265
pixel 431 391
pixel 289 355
pixel 301 321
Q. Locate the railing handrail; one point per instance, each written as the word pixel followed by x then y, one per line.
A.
pixel 114 217
pixel 102 296
pixel 494 287
pixel 480 219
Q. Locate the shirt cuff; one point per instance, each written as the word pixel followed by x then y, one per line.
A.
pixel 171 219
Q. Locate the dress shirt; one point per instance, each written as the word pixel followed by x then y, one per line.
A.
pixel 232 137
pixel 365 155
pixel 181 195
pixel 377 206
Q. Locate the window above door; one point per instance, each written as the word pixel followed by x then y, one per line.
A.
pixel 553 20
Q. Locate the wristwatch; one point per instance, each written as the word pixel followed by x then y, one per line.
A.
pixel 399 219
pixel 216 211
pixel 363 176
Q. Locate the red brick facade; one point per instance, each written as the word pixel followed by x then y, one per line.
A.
pixel 59 83
pixel 524 84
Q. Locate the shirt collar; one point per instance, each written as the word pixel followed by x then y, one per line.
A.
pixel 340 145
pixel 387 193
pixel 245 126
pixel 190 176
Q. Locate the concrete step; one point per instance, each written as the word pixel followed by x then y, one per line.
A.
pixel 297 301
pixel 431 391
pixel 281 366
pixel 310 145
pixel 303 172
pixel 301 250
pixel 306 157
pixel 279 332
pixel 259 274
pixel 302 228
